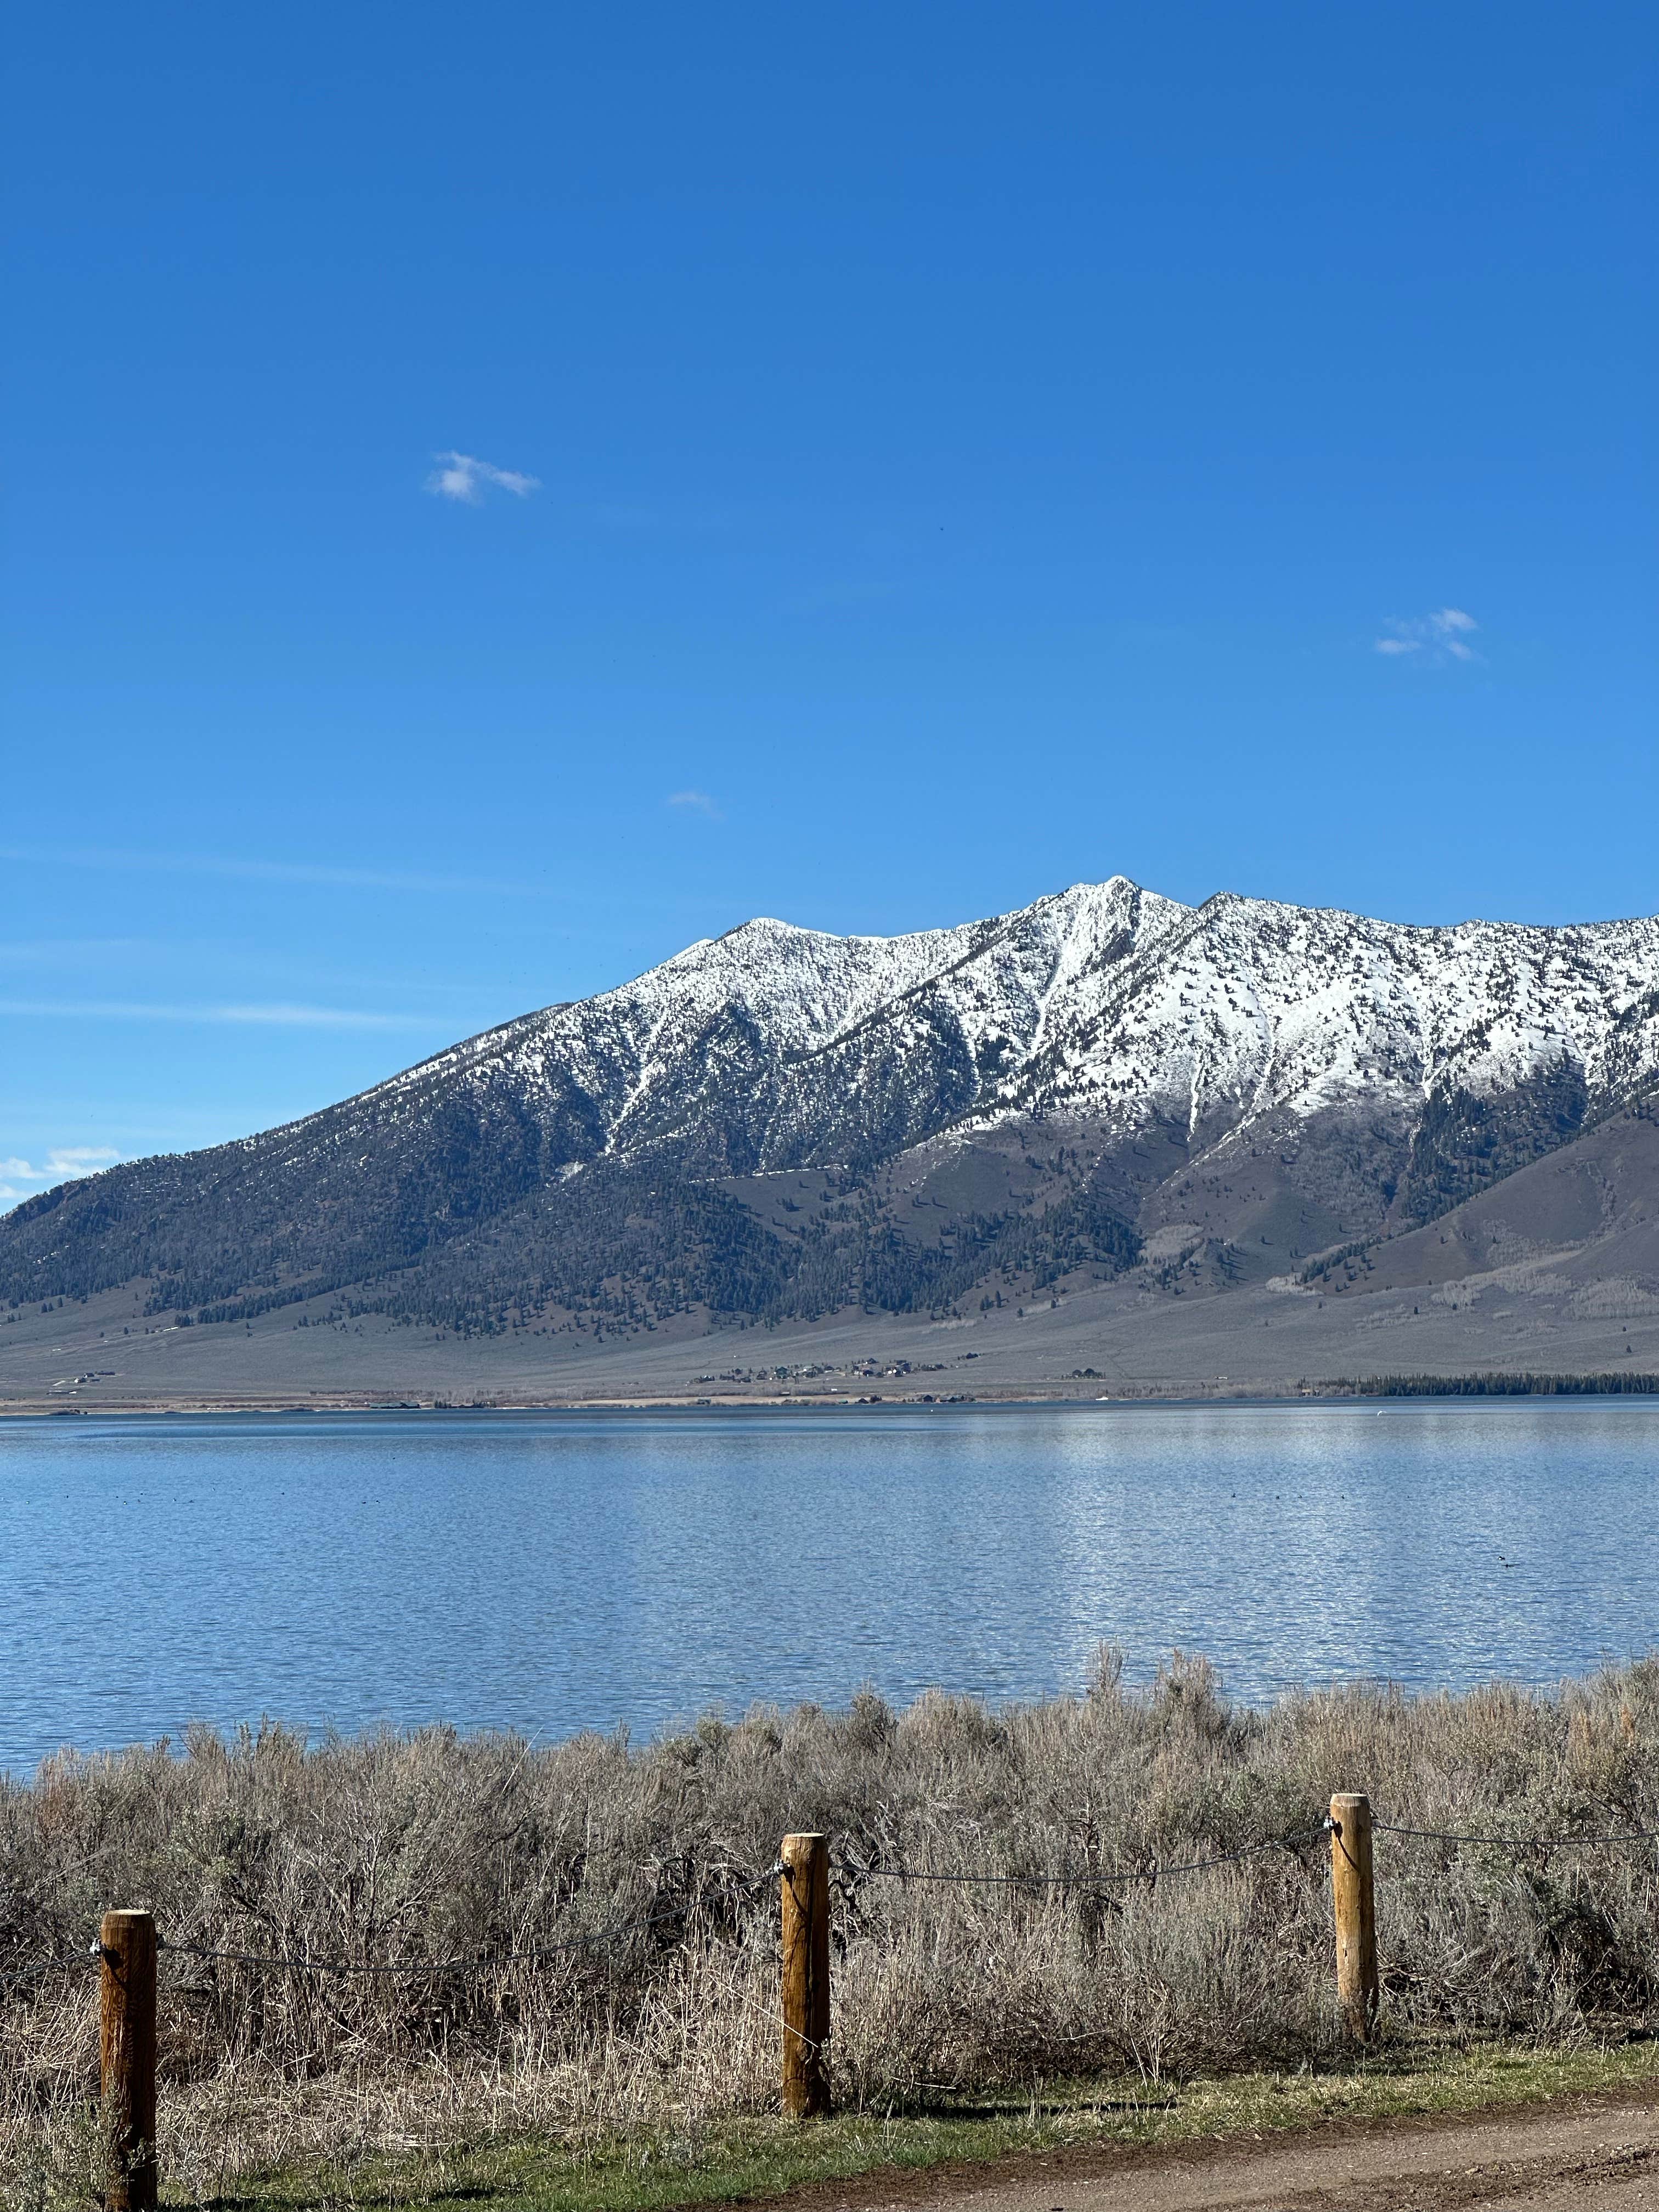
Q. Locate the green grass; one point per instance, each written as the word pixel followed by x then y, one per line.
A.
pixel 701 2162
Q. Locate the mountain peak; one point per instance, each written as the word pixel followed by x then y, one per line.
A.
pixel 1103 1065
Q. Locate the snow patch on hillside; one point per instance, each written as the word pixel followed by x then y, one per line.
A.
pixel 1104 1002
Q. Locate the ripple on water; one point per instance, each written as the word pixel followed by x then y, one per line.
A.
pixel 556 1572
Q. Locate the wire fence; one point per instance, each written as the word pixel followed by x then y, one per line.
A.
pixel 129 1945
pixel 1096 1878
pixel 1084 1882
pixel 1520 1843
pixel 481 1962
pixel 77 1963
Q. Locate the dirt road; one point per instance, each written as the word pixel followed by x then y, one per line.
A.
pixel 1600 2153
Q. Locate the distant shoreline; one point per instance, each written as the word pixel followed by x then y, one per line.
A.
pixel 1491 1388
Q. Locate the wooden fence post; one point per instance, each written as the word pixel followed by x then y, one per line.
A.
pixel 806 1989
pixel 1355 1902
pixel 126 2008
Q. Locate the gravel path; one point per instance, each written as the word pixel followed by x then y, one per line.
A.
pixel 1583 2152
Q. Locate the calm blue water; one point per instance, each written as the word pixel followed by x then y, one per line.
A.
pixel 551 1572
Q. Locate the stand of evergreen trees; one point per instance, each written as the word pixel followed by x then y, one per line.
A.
pixel 1499 1386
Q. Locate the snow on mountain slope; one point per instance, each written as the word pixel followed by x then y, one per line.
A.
pixel 1104 1002
pixel 1024 1096
pixel 1258 1005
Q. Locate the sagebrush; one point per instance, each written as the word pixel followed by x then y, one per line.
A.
pixel 433 1846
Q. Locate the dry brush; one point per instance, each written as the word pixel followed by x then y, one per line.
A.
pixel 648 1867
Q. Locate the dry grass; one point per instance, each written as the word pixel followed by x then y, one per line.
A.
pixel 431 1846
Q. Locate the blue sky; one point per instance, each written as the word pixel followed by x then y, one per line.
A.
pixel 495 494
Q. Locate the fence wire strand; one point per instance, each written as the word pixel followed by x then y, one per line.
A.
pixel 1094 1878
pixel 483 1962
pixel 42 1967
pixel 1086 1881
pixel 1516 1843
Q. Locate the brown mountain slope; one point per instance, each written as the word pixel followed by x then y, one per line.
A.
pixel 1556 1271
pixel 1583 1220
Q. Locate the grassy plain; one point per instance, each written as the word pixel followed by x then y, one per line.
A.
pixel 753 2158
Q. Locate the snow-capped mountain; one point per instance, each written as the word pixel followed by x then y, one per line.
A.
pixel 1038 1092
pixel 1103 1002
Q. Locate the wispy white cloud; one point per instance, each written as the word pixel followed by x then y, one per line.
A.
pixel 72 951
pixel 696 802
pixel 315 1017
pixel 268 872
pixel 274 1016
pixel 61 1160
pixel 1441 636
pixel 464 477
pixel 63 1163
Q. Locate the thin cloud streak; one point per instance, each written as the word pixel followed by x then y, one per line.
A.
pixel 1436 638
pixel 463 477
pixel 270 871
pixel 275 1017
pixel 62 1160
pixel 64 1163
pixel 696 802
pixel 47 951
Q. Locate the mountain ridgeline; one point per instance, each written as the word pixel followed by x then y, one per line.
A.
pixel 782 1123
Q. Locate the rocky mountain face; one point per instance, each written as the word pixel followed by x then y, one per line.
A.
pixel 782 1123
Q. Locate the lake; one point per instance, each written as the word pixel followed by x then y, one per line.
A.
pixel 557 1572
